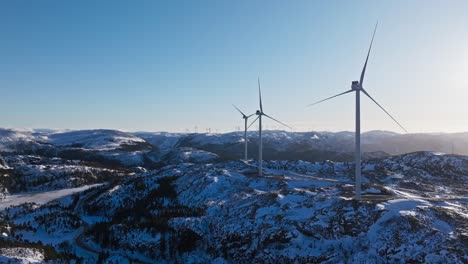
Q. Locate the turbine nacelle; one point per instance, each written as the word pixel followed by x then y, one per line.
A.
pixel 355 85
pixel 258 112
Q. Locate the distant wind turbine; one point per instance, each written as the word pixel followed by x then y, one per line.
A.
pixel 357 86
pixel 245 117
pixel 260 113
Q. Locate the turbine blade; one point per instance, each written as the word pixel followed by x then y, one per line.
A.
pixel 277 121
pixel 368 95
pixel 253 122
pixel 250 115
pixel 239 110
pixel 367 58
pixel 260 95
pixel 330 98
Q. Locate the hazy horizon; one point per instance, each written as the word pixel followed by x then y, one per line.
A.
pixel 214 131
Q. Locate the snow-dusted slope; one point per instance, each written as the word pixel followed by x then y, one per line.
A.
pixel 187 202
pixel 299 212
pixel 21 255
pixel 303 215
pixel 312 145
pixel 279 145
pixel 94 139
pixel 162 140
pixel 11 139
pixel 99 139
pixel 34 173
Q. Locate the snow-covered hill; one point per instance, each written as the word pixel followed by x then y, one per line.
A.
pixel 165 197
pixel 11 140
pixel 299 212
pixel 279 145
pixel 21 255
pixel 94 139
pixel 311 146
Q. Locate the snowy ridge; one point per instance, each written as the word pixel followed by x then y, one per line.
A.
pixel 162 140
pixel 179 197
pixel 94 139
pixel 21 255
pixel 298 212
pixel 34 173
pixel 10 138
pixel 311 146
pixel 287 217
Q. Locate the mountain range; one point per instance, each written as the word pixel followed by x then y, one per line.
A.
pixel 106 196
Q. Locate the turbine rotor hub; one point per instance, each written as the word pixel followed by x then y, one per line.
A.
pixel 355 85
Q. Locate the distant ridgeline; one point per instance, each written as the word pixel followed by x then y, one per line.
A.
pixel 116 148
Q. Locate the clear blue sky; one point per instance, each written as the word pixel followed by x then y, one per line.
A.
pixel 171 65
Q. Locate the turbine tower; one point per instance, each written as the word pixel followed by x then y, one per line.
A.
pixel 245 117
pixel 259 114
pixel 357 86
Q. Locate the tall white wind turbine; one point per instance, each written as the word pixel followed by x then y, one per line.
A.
pixel 260 113
pixel 357 86
pixel 246 118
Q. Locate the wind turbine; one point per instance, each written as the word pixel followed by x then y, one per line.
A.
pixel 245 117
pixel 357 86
pixel 260 113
